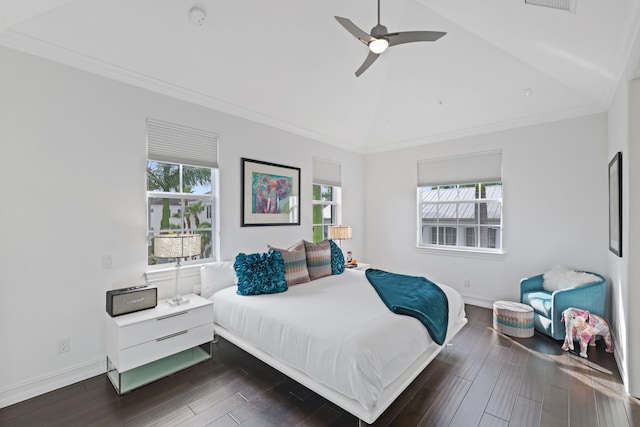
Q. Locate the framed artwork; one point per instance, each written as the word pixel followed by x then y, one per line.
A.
pixel 615 204
pixel 270 194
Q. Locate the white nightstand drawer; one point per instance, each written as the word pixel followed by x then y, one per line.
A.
pixel 152 329
pixel 163 346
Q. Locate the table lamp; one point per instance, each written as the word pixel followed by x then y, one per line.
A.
pixel 177 246
pixel 340 233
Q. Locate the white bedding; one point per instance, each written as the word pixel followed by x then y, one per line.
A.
pixel 336 330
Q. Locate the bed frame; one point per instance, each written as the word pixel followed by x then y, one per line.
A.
pixel 353 407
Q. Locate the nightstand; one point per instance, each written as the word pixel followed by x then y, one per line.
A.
pixel 148 345
pixel 361 266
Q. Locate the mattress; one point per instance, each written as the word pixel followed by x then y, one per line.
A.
pixel 335 330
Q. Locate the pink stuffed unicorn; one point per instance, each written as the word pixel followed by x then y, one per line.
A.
pixel 584 326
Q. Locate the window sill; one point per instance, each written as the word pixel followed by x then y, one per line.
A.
pixel 496 255
pixel 171 266
pixel 161 272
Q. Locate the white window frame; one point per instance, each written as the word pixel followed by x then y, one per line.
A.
pixel 210 201
pixel 184 146
pixel 327 173
pixel 336 203
pixel 458 223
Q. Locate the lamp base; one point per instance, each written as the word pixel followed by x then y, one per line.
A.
pixel 177 301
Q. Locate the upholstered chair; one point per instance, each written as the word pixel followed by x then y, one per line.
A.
pixel 549 305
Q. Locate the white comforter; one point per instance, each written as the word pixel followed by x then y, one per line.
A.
pixel 336 330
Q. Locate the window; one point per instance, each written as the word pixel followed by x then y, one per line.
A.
pixel 470 236
pixel 181 186
pixel 443 236
pixel 459 202
pixel 327 197
pixel 462 215
pixel 326 210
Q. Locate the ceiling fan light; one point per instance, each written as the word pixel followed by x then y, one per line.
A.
pixel 378 45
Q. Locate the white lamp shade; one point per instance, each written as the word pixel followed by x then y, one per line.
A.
pixel 340 232
pixel 177 245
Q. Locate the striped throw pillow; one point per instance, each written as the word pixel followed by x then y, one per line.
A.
pixel 295 263
pixel 318 259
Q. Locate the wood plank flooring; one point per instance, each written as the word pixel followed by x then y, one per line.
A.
pixel 483 379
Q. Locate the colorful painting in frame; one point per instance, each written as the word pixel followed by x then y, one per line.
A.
pixel 270 194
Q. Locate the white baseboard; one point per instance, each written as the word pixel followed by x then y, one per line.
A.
pixel 46 383
pixel 478 301
pixel 620 362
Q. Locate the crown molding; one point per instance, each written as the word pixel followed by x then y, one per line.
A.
pixel 47 50
pixel 625 65
pixel 553 116
pixel 40 48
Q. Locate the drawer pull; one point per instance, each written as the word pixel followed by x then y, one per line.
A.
pixel 171 336
pixel 169 316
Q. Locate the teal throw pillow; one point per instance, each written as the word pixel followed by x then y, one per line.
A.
pixel 337 258
pixel 260 273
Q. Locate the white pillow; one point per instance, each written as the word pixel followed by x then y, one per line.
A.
pixel 215 276
pixel 562 278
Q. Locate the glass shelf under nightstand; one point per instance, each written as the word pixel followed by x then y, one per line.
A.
pixel 129 380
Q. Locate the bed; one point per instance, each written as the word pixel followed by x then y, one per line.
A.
pixel 335 336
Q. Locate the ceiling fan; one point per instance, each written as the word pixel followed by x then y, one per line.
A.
pixel 380 39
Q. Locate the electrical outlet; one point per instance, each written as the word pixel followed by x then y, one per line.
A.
pixel 106 262
pixel 467 283
pixel 64 345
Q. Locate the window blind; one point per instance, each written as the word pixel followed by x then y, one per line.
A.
pixel 485 166
pixel 169 142
pixel 326 172
pixel 568 5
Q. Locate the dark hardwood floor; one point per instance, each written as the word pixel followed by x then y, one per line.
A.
pixel 482 379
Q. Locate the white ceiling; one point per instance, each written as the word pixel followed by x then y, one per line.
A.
pixel 289 64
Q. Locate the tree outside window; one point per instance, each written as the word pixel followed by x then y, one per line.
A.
pixel 327 201
pixel 179 200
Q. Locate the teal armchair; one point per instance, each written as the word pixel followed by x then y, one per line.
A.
pixel 548 306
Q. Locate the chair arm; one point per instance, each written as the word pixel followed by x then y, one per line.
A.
pixel 590 297
pixel 529 284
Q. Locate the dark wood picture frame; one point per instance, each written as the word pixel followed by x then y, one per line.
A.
pixel 615 204
pixel 270 194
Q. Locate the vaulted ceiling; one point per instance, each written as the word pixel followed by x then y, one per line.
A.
pixel 289 64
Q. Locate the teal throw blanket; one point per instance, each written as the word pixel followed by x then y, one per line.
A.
pixel 413 296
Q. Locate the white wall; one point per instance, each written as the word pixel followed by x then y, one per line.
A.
pixel 618 267
pixel 624 136
pixel 555 207
pixel 73 156
pixel 630 317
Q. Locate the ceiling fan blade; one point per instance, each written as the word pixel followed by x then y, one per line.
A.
pixel 353 29
pixel 367 63
pixel 413 36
